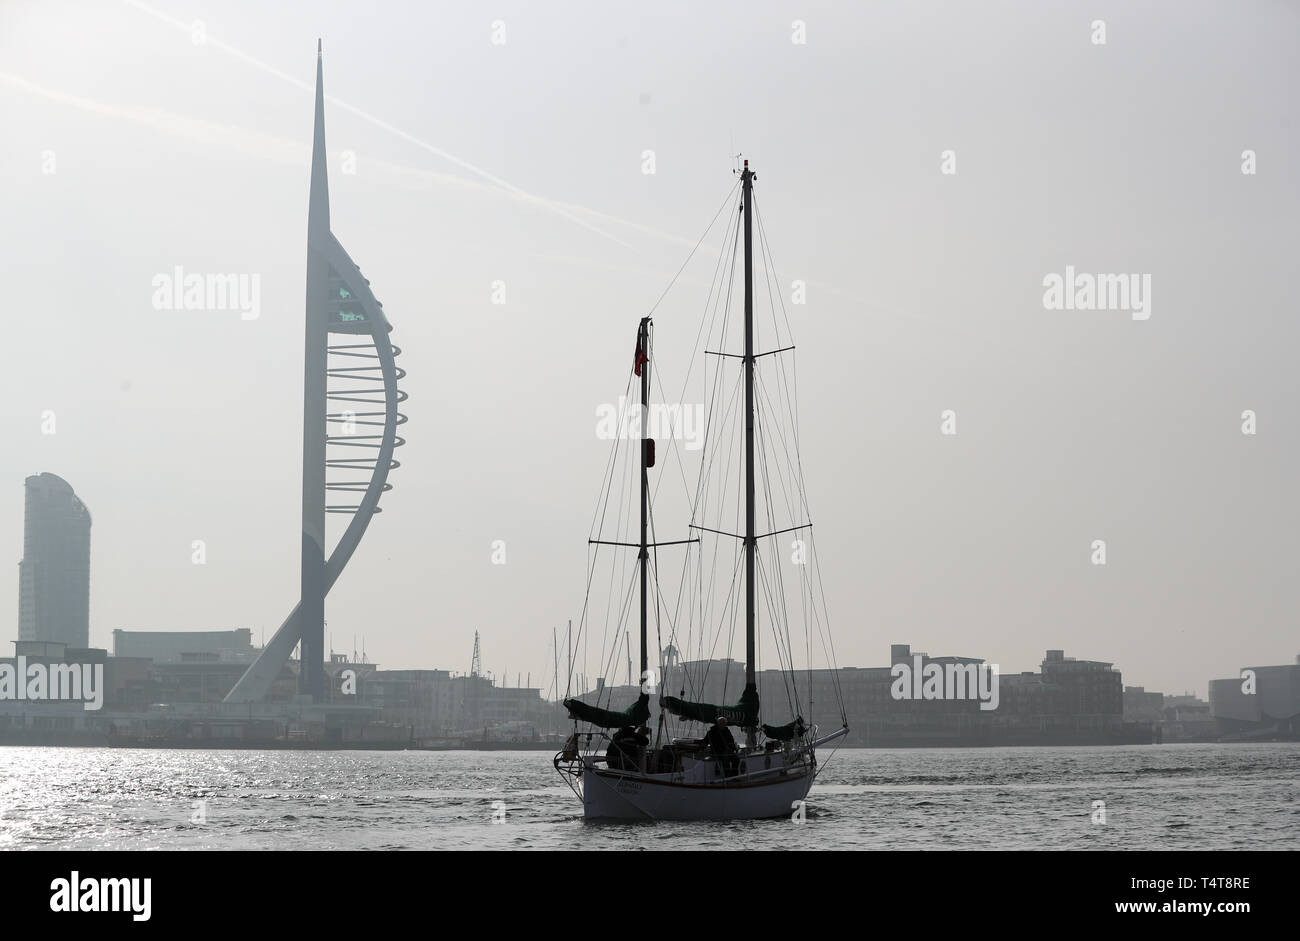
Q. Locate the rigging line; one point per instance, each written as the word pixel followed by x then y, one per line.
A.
pixel 703 496
pixel 823 627
pixel 658 597
pixel 683 589
pixel 775 583
pixel 598 696
pixel 717 375
pixel 732 404
pixel 602 509
pixel 721 302
pixel 733 607
pixel 817 619
pixel 707 598
pixel 673 450
pixel 790 505
pixel 829 638
pixel 624 449
pixel 613 562
pixel 770 266
pixel 733 224
pixel 607 479
pixel 730 458
pixel 762 400
pixel 725 201
pixel 726 448
pixel 792 694
pixel 625 608
pixel 734 459
pixel 765 249
pixel 714 301
pixel 671 619
pixel 739 510
pixel 629 495
pixel 659 636
pixel 781 624
pixel 608 663
pixel 792 378
pixel 809 617
pixel 622 624
pixel 707 652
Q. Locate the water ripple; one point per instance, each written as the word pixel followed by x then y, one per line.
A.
pixel 1155 797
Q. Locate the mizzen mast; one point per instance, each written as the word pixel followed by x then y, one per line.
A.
pixel 642 369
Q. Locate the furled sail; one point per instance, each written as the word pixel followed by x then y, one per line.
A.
pixel 784 733
pixel 636 714
pixel 743 714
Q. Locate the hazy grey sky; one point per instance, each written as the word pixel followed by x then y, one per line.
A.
pixel 129 149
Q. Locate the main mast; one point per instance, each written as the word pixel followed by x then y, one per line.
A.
pixel 747 191
pixel 647 460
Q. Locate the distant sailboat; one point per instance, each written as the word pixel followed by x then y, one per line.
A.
pixel 624 775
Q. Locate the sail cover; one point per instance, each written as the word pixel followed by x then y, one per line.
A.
pixel 743 713
pixel 636 714
pixel 784 733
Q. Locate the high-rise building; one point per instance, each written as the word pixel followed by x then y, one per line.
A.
pixel 54 574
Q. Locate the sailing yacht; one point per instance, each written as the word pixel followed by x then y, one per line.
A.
pixel 624 775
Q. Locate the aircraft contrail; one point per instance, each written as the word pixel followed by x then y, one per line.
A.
pixel 212 134
pixel 552 205
pixel 290 151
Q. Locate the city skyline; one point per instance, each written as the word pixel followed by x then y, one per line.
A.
pixel 925 294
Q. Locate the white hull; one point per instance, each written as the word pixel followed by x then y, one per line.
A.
pixel 614 795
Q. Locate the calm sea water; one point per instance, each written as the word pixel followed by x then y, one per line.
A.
pixel 1156 797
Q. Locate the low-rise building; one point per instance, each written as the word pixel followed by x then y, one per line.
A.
pixel 1260 702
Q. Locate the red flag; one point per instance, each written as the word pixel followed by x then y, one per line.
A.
pixel 640 357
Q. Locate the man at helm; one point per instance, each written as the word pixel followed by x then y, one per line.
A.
pixel 721 743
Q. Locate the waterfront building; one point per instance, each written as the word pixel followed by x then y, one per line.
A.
pixel 1261 703
pixel 1143 705
pixel 1090 687
pixel 1070 702
pixel 186 646
pixel 54 574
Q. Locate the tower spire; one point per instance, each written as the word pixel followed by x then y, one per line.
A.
pixel 338 301
pixel 311 680
pixel 318 213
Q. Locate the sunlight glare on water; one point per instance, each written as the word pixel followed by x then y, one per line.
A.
pixel 1156 797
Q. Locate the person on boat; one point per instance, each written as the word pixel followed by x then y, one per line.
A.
pixel 720 742
pixel 623 753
